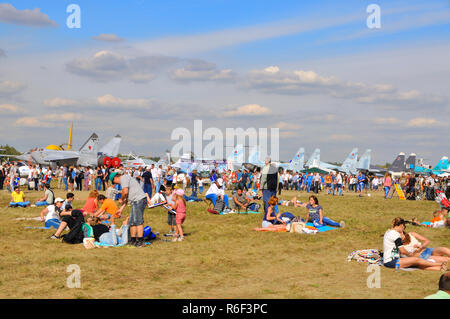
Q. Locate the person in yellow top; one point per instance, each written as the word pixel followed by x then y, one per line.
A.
pixel 108 209
pixel 18 198
pixel 328 182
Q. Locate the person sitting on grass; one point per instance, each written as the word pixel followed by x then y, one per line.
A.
pixel 240 201
pixel 180 208
pixel 444 288
pixel 108 209
pixel 216 191
pixel 412 245
pixel 393 247
pixel 18 198
pixel 51 214
pixel 91 203
pixel 272 217
pixel 48 198
pixel 69 218
pixel 116 236
pixel 70 197
pixel 315 212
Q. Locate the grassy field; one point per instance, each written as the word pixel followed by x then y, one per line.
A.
pixel 222 257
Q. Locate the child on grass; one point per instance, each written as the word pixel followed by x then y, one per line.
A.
pixel 180 208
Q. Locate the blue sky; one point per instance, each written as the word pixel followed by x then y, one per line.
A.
pixel 336 84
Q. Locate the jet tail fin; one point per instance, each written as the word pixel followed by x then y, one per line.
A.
pixel 315 158
pixel 411 162
pixel 398 165
pixel 443 164
pixel 350 161
pixel 364 160
pixel 90 146
pixel 298 162
pixel 112 147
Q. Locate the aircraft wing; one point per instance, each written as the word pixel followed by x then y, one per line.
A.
pixel 59 157
pixel 317 170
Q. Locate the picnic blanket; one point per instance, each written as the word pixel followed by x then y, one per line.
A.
pixel 247 212
pixel 282 228
pixel 98 244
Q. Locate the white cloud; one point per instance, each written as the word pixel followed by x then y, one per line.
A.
pixel 10 108
pixel 10 88
pixel 198 70
pixel 386 120
pixel 423 122
pixel 32 18
pixel 247 110
pixel 109 100
pixel 49 120
pixel 287 126
pixel 108 38
pixel 58 102
pixel 107 66
pixel 300 82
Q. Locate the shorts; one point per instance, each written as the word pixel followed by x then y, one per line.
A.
pixel 391 264
pixel 171 219
pixel 426 253
pixel 328 185
pixel 137 212
pixel 179 219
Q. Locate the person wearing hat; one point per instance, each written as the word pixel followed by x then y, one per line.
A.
pixel 48 198
pixel 132 192
pixel 216 191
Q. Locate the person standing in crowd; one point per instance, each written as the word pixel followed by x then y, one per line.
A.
pixel 387 184
pixel 132 192
pixel 148 181
pixel 2 176
pixel 99 178
pixel 269 182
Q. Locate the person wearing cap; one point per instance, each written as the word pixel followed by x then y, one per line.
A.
pixel 48 198
pixel 50 214
pixel 269 182
pixel 132 192
pixel 216 191
pixel 68 218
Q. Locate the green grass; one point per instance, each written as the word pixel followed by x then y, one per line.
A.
pixel 222 257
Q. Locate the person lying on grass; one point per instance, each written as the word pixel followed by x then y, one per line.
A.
pixel 69 218
pixel 315 212
pixel 293 202
pixel 108 209
pixel 116 236
pixel 272 217
pixel 393 247
pixel 419 249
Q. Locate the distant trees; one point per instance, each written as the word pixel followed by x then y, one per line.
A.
pixel 7 149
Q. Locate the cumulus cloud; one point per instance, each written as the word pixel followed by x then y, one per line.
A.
pixel 301 82
pixel 33 18
pixel 423 122
pixel 247 110
pixel 8 88
pixel 107 66
pixel 108 38
pixel 109 100
pixel 386 120
pixel 60 102
pixel 198 70
pixel 10 108
pixel 49 120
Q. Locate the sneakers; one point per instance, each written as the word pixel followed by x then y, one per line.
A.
pixel 139 243
pixel 54 237
pixel 178 238
pixel 342 223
